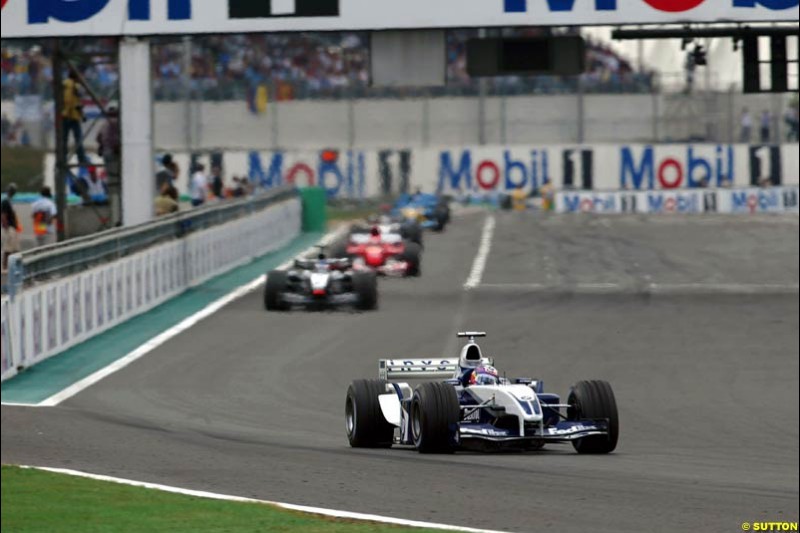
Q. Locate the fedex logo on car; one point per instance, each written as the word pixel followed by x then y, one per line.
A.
pixel 464 171
pixel 669 6
pixel 42 11
pixel 339 173
pixel 640 168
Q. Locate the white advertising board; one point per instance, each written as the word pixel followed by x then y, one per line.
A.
pixel 45 18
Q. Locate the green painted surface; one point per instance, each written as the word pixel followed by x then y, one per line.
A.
pixel 57 373
pixel 314 208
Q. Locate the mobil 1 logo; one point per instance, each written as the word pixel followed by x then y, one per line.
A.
pixel 790 200
pixel 578 165
pixel 710 202
pixel 247 9
pixel 627 202
pixel 765 164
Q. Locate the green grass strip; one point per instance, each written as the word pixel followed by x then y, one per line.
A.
pixel 36 501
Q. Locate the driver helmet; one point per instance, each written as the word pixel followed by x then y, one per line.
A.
pixel 484 375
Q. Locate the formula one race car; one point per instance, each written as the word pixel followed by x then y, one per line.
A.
pixel 408 229
pixel 429 210
pixel 321 283
pixel 472 407
pixel 384 251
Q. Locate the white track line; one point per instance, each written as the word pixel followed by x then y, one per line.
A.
pixel 479 264
pixel 289 506
pixel 653 288
pixel 174 331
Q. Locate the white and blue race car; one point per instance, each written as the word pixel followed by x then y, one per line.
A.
pixel 445 412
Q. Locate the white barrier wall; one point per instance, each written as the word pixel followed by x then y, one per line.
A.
pixel 49 318
pixel 368 173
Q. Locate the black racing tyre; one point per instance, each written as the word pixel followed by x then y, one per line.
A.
pixel 365 285
pixel 594 400
pixel 413 256
pixel 412 232
pixel 435 413
pixel 443 205
pixel 273 291
pixel 364 421
pixel 440 216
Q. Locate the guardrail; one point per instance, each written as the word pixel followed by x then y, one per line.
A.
pixel 61 259
pixel 67 293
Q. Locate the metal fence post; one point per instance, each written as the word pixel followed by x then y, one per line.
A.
pixel 351 123
pixel 503 120
pixel 656 117
pixel 426 120
pixel 16 275
pixel 186 79
pixel 272 110
pixel 581 117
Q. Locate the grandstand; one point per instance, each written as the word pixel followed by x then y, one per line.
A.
pixel 300 66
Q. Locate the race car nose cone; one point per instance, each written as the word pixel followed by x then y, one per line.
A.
pixel 374 256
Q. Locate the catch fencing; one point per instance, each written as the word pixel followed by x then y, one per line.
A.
pixel 52 309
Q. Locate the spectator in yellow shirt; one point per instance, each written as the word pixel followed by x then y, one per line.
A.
pixel 72 115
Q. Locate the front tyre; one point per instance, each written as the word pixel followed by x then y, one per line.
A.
pixel 412 255
pixel 273 291
pixel 435 413
pixel 594 400
pixel 364 421
pixel 365 285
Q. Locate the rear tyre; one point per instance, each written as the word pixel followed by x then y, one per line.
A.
pixel 365 285
pixel 413 256
pixel 434 418
pixel 440 216
pixel 412 232
pixel 366 427
pixel 594 400
pixel 273 291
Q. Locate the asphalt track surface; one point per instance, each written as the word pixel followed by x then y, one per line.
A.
pixel 705 370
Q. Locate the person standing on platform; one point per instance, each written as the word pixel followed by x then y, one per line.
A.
pixel 44 213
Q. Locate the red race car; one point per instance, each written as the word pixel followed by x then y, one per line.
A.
pixel 385 252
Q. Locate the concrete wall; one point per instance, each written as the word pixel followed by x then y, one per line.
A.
pixel 455 121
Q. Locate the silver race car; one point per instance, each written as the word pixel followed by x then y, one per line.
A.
pixel 464 404
pixel 321 283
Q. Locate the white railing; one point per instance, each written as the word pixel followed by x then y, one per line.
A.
pixel 47 317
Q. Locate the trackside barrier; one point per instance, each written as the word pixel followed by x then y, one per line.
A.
pixel 47 317
pixel 749 200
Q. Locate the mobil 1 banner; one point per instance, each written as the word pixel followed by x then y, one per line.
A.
pixel 756 200
pixel 588 202
pixel 52 18
pixel 578 168
pixel 765 165
pixel 687 201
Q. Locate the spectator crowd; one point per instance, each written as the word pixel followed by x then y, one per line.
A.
pixel 298 65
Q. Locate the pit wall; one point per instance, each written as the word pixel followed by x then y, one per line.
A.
pixel 48 318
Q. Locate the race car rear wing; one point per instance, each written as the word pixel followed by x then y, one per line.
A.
pixel 427 369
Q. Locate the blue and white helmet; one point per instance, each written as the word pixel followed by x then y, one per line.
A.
pixel 484 375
